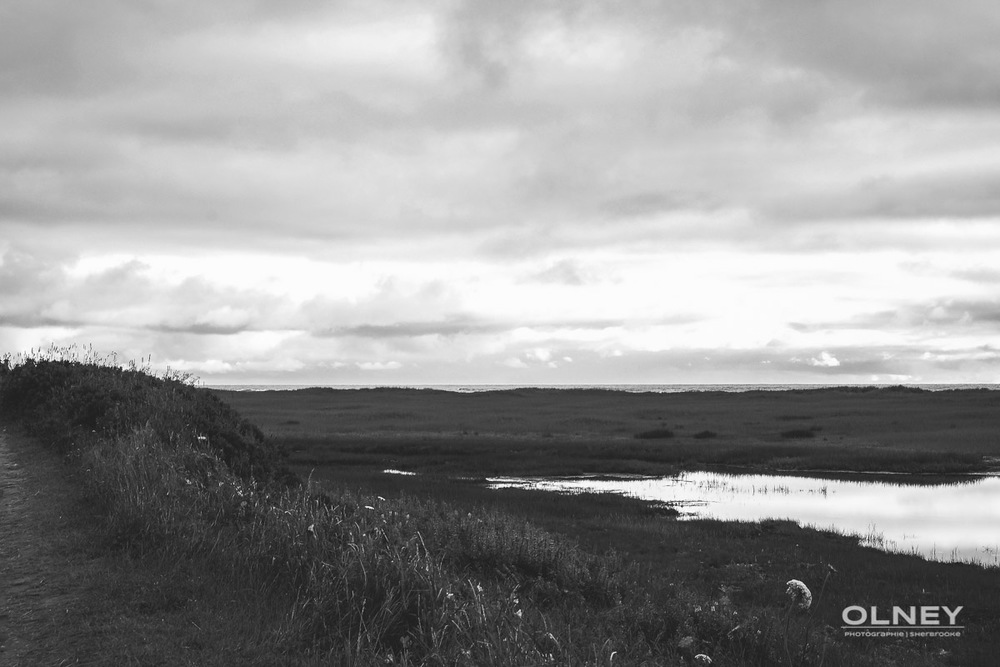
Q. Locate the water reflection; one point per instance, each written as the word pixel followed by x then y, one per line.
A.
pixel 940 521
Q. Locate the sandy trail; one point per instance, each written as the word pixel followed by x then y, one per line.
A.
pixel 47 559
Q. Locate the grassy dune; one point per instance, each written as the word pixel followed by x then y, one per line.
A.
pixel 342 575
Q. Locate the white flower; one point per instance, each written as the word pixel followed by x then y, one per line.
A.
pixel 799 594
pixel 702 659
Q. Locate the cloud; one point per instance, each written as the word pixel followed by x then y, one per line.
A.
pixel 564 272
pixel 417 329
pixel 650 203
pixel 945 194
pixel 452 187
pixel 880 320
pixel 219 131
pixel 985 276
pixel 40 293
pixel 379 365
pixel 393 307
pixel 955 359
pixel 960 313
pixel 825 359
pixel 898 53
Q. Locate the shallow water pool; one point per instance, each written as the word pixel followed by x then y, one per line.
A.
pixel 957 519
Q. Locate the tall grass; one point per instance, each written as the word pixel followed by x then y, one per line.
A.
pixel 361 580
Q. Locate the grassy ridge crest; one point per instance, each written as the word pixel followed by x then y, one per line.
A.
pixel 70 399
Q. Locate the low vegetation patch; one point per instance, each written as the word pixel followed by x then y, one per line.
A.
pixel 655 434
pixel 799 433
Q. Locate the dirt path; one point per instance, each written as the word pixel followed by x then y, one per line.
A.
pixel 49 568
pixel 69 597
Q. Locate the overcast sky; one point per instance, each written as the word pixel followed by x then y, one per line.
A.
pixel 506 192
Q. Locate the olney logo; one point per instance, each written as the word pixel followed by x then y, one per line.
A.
pixel 922 621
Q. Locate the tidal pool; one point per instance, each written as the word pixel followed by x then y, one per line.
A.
pixel 954 520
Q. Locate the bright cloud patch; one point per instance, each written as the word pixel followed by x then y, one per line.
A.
pixel 826 360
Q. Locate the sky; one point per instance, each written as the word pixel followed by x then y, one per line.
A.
pixel 522 192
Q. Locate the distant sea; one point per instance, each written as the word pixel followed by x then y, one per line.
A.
pixel 631 388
